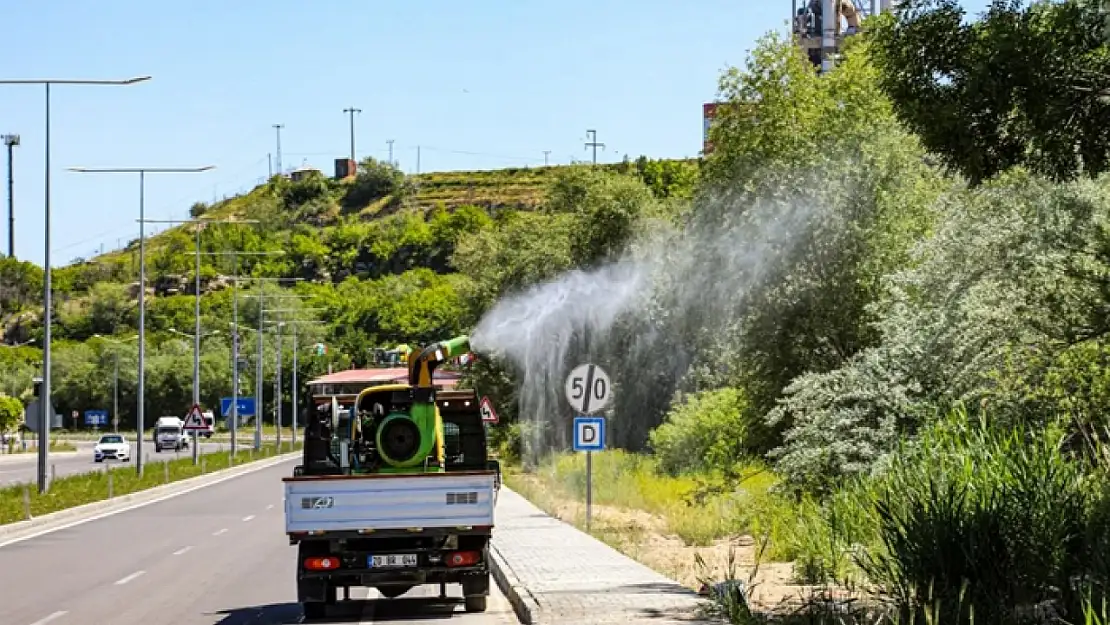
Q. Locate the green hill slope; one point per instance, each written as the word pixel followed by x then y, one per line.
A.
pixel 374 260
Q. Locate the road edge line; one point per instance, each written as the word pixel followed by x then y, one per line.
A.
pixel 128 502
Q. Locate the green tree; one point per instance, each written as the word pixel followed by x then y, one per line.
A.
pixel 11 412
pixel 1023 85
pixel 829 193
pixel 375 180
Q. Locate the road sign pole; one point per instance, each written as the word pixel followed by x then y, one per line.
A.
pixel 589 391
pixel 589 486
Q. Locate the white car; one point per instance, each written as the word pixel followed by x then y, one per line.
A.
pixel 112 447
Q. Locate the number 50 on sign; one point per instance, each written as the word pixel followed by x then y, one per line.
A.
pixel 588 389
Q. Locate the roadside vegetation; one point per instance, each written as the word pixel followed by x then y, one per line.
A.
pixel 907 419
pixel 23 501
pixel 887 401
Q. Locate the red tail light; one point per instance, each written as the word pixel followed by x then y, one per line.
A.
pixel 327 563
pixel 464 558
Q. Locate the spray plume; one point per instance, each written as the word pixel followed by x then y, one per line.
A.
pixel 674 301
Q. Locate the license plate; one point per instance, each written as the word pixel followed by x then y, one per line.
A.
pixel 393 559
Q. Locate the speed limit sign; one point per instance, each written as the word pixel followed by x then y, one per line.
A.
pixel 588 389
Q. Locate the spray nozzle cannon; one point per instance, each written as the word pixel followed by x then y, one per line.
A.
pixel 423 364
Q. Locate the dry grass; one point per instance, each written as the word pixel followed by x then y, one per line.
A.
pixel 657 521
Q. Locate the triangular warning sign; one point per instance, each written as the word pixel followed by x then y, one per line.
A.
pixel 486 408
pixel 195 419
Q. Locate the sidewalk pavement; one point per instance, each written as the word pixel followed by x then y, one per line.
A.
pixel 555 574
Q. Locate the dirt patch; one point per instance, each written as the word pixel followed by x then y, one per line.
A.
pixel 644 537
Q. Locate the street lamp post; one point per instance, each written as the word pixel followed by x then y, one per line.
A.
pixel 45 416
pixel 293 324
pixel 234 416
pixel 261 354
pixel 11 141
pixel 200 223
pixel 196 380
pixel 142 171
pixel 115 376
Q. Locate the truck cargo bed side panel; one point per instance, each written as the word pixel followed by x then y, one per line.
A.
pixel 366 502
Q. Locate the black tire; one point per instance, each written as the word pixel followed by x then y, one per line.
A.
pixel 476 603
pixel 392 592
pixel 314 610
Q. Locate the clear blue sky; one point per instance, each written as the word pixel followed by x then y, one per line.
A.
pixel 479 85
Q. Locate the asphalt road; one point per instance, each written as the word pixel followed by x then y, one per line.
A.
pixel 18 468
pixel 215 556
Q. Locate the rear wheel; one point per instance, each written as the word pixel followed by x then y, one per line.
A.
pixel 476 603
pixel 314 610
pixel 392 592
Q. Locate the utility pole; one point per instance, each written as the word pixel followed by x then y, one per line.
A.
pixel 278 128
pixel 545 153
pixel 592 143
pixel 140 419
pixel 418 159
pixel 233 418
pixel 294 406
pixel 196 336
pixel 270 165
pixel 277 386
pixel 390 142
pixel 11 141
pixel 351 111
pixel 293 324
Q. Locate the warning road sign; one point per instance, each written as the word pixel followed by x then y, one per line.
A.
pixel 195 420
pixel 488 414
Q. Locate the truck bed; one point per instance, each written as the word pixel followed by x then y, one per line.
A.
pixel 364 503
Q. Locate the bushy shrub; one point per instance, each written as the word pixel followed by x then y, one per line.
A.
pixel 703 431
pixel 975 517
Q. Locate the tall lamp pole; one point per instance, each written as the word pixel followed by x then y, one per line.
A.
pixel 115 376
pixel 45 416
pixel 200 224
pixel 11 141
pixel 140 420
pixel 233 418
pixel 293 323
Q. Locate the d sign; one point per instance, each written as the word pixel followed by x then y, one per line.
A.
pixel 589 433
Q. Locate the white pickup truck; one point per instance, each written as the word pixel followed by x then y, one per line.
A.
pixel 393 530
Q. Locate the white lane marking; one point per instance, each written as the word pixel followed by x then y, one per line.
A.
pixel 43 621
pixel 142 504
pixel 270 507
pixel 182 550
pixel 248 517
pixel 218 532
pixel 129 578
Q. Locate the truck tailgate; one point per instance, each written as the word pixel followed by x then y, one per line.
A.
pixel 390 501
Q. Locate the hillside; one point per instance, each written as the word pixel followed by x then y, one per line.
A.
pixel 374 260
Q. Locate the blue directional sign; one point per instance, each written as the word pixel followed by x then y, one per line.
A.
pixel 589 433
pixel 245 406
pixel 96 417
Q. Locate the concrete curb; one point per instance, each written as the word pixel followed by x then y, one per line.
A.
pixel 524 603
pixel 21 530
pixel 525 606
